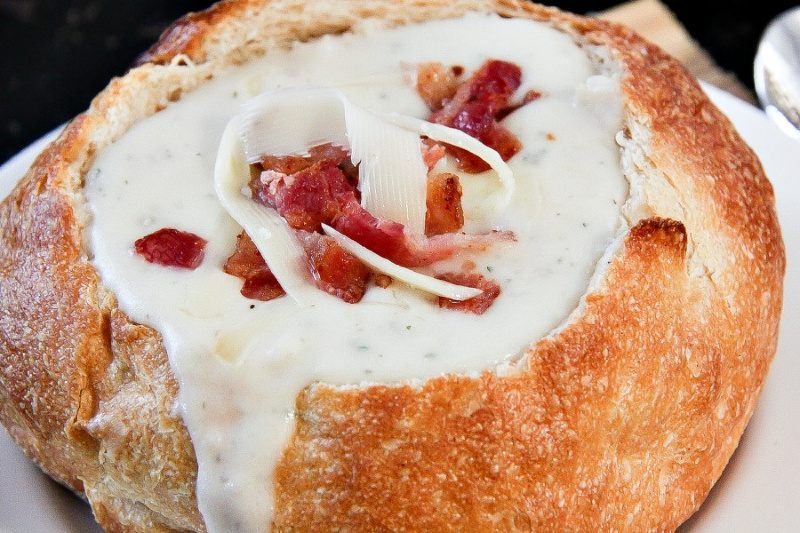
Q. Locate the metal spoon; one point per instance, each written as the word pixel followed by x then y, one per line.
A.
pixel 776 71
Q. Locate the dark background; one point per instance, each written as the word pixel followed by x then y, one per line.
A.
pixel 55 55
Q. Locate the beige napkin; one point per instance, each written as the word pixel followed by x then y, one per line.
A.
pixel 655 22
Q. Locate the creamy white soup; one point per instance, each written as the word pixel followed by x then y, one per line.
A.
pixel 241 363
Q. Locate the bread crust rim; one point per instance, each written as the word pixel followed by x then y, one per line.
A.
pixel 705 232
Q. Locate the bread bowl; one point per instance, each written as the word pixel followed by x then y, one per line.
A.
pixel 565 435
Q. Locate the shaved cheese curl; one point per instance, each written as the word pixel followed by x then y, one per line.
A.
pixel 268 230
pixel 406 275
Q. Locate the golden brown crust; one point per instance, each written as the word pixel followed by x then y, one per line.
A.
pixel 622 419
pixel 613 423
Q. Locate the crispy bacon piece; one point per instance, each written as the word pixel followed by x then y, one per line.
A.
pixel 444 213
pixel 382 280
pixel 289 164
pixel 334 270
pixel 172 247
pixel 384 237
pixel 474 109
pixel 247 264
pixel 309 197
pixel 480 303
pixel 390 240
pixel 529 97
pixel 437 84
pixel 432 152
pixel 483 96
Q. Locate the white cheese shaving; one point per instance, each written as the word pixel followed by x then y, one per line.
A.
pixel 269 231
pixel 458 138
pixel 406 275
pixel 269 125
pixel 393 177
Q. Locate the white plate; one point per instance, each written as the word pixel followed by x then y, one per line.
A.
pixel 759 490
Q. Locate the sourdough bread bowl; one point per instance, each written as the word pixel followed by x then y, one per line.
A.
pixel 618 414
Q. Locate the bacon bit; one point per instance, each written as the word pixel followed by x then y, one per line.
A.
pixel 247 264
pixel 390 240
pixel 335 270
pixel 262 288
pixel 432 153
pixel 382 280
pixel 529 97
pixel 290 164
pixel 437 84
pixel 384 237
pixel 285 165
pixel 474 109
pixel 308 198
pixel 487 92
pixel 477 305
pixel 172 247
pixel 444 212
pixel 501 139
